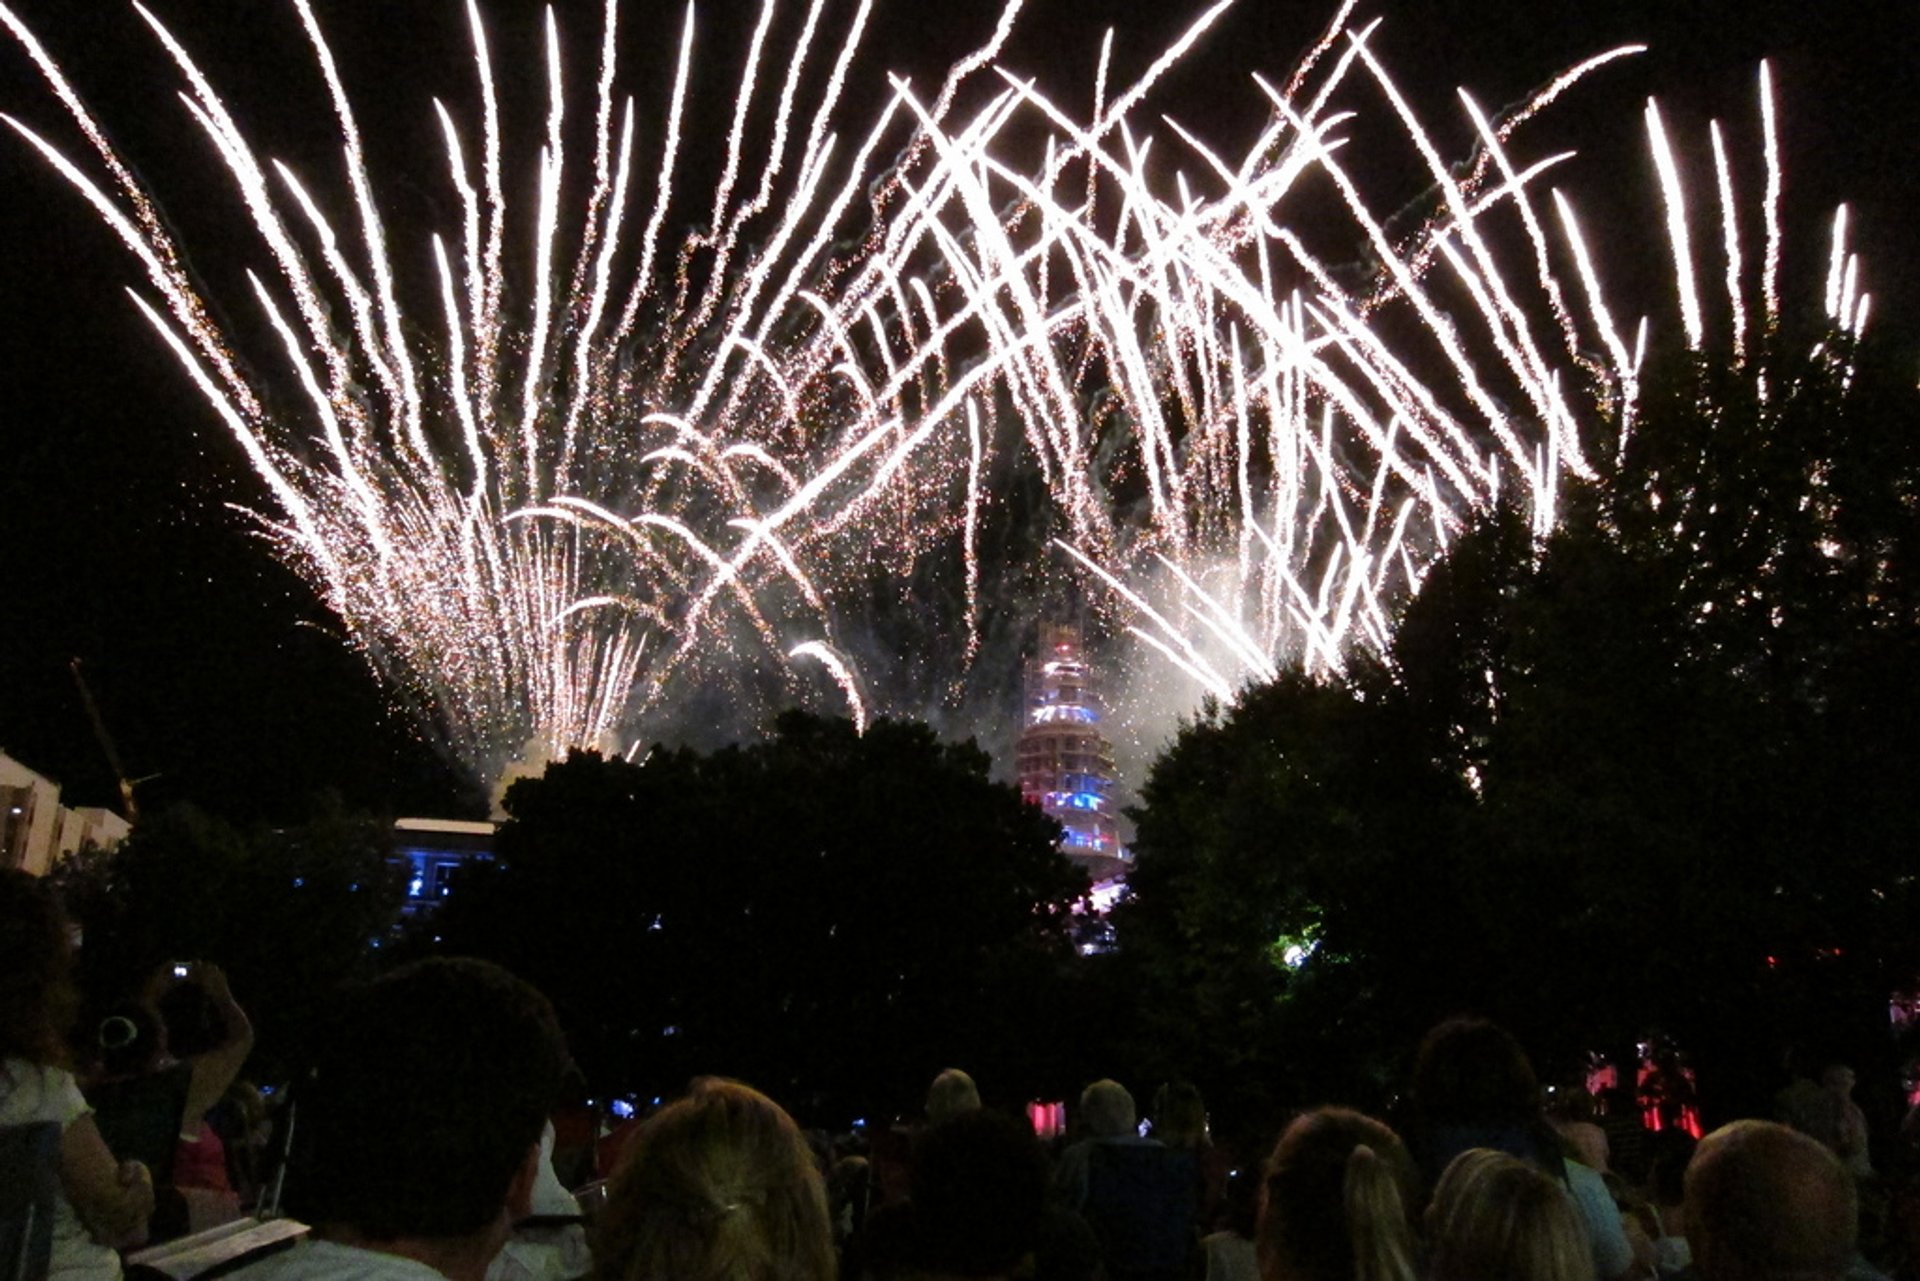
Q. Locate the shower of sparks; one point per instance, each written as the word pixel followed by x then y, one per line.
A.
pixel 544 503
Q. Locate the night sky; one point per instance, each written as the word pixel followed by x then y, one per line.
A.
pixel 215 668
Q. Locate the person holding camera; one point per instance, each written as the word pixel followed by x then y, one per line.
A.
pixel 167 1059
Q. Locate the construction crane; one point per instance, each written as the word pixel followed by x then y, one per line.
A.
pixel 128 807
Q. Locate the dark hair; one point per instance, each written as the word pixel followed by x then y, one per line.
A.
pixel 127 1039
pixel 37 997
pixel 1180 1115
pixel 1667 1167
pixel 1338 1188
pixel 1240 1208
pixel 979 1188
pixel 1473 1071
pixel 193 1020
pixel 426 1092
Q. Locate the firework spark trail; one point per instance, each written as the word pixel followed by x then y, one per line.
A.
pixel 1560 436
pixel 842 675
pixel 545 519
pixel 447 539
pixel 1730 238
pixel 1677 235
pixel 150 242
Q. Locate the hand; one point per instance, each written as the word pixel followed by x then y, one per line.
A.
pixel 211 977
pixel 135 1176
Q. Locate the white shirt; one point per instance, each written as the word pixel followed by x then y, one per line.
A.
pixel 32 1092
pixel 1230 1257
pixel 545 1254
pixel 312 1260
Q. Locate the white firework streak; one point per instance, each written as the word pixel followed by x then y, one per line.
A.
pixel 467 506
pixel 543 504
pixel 1205 316
pixel 842 675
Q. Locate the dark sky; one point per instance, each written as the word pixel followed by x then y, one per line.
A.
pixel 215 668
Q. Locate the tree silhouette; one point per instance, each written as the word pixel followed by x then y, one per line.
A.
pixel 830 915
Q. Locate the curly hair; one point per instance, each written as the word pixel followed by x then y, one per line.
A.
pixel 717 1186
pixel 37 996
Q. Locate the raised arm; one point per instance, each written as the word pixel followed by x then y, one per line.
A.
pixel 215 1070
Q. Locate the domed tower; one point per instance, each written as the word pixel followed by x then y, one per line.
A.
pixel 1065 762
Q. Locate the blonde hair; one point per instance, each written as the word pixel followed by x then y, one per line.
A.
pixel 1106 1110
pixel 1334 1202
pixel 1494 1215
pixel 718 1186
pixel 951 1094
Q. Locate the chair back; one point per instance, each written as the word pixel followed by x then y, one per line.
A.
pixel 29 1184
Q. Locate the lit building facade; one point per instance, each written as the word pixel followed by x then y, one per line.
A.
pixel 430 850
pixel 1065 761
pixel 36 830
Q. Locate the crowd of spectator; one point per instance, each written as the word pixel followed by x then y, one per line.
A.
pixel 425 1141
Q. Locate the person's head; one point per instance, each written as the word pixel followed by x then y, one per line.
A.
pixel 848 1180
pixel 1494 1215
pixel 1586 1143
pixel 421 1115
pixel 1334 1205
pixel 1837 1078
pixel 37 999
pixel 1106 1110
pixel 716 1185
pixel 890 1153
pixel 951 1093
pixel 1767 1203
pixel 979 1188
pixel 1179 1115
pixel 1471 1071
pixel 1575 1103
pixel 1240 1208
pixel 131 1040
pixel 1670 1152
pixel 192 1018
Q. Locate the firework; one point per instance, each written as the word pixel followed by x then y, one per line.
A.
pixel 518 494
pixel 548 504
pixel 1307 445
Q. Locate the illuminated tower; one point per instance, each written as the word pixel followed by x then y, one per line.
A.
pixel 1065 762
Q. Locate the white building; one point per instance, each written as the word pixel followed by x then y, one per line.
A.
pixel 36 829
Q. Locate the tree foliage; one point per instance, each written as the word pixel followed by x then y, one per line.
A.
pixel 1650 772
pixel 832 916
